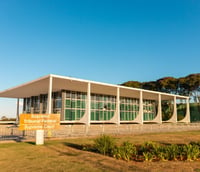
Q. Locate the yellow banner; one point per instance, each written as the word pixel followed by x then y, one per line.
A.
pixel 39 121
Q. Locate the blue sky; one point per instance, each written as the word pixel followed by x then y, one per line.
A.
pixel 110 41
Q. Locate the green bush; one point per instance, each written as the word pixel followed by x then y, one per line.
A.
pixel 126 151
pixel 162 156
pixel 195 143
pixel 149 151
pixel 192 152
pixel 149 146
pixel 148 156
pixel 172 152
pixel 104 144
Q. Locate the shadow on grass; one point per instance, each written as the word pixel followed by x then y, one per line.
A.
pixel 99 164
pixel 76 146
pixel 31 143
pixel 85 147
pixel 11 137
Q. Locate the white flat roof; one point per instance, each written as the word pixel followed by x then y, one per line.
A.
pixel 41 86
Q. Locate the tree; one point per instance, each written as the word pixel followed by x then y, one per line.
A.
pixel 4 118
pixel 134 84
pixel 167 84
pixel 187 86
pixel 150 85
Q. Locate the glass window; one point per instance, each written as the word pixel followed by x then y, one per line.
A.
pixel 75 101
pixel 68 103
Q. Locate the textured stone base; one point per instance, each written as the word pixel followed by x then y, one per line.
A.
pixel 79 130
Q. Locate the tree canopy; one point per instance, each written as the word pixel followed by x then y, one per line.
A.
pixel 187 86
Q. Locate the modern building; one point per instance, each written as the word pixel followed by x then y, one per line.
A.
pixel 89 102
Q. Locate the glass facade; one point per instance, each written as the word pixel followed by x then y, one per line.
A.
pixel 27 105
pixel 43 101
pixel 75 105
pixel 36 104
pixel 129 108
pixel 149 110
pixel 102 107
pixel 57 102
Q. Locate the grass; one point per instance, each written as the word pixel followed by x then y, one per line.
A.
pixel 65 155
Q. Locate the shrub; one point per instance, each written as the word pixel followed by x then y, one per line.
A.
pixel 150 150
pixel 162 153
pixel 148 156
pixel 172 152
pixel 104 144
pixel 125 151
pixel 149 146
pixel 192 152
pixel 195 143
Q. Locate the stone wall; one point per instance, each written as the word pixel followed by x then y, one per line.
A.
pixel 97 129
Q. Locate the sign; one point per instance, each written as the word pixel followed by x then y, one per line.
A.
pixel 39 121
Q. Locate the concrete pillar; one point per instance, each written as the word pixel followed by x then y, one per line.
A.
pixel 89 103
pixel 141 108
pixel 40 133
pixel 187 116
pixel 188 110
pixel 17 114
pixel 159 115
pixel 175 111
pixel 63 106
pixel 86 118
pixel 116 118
pixel 173 119
pixel 118 106
pixel 158 118
pixel 49 100
pixel 139 117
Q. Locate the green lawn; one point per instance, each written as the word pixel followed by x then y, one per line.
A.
pixel 65 155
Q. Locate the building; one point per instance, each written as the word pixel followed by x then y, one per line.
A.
pixel 89 102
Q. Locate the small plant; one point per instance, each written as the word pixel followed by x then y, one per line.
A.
pixel 149 146
pixel 125 151
pixel 195 143
pixel 148 156
pixel 192 152
pixel 148 151
pixel 172 152
pixel 104 144
pixel 162 153
pixel 162 156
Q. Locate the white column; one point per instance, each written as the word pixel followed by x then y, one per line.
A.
pixel 159 115
pixel 175 110
pixel 118 106
pixel 63 106
pixel 88 103
pixel 116 118
pixel 17 114
pixel 186 119
pixel 49 96
pixel 139 117
pixel 188 110
pixel 141 113
pixel 40 133
pixel 173 118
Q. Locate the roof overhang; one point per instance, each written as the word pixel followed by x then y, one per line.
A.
pixel 41 86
